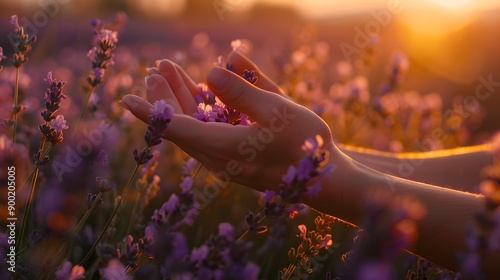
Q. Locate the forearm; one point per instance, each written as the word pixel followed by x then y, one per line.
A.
pixel 455 168
pixel 441 234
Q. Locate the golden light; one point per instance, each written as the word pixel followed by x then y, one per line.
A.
pixel 433 28
pixel 451 3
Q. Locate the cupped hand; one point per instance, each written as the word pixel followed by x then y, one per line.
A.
pixel 256 155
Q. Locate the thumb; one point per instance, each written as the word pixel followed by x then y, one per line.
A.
pixel 237 93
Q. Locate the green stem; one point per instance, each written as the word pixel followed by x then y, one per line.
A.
pixel 43 154
pixel 27 210
pixel 30 201
pixel 144 178
pixel 82 114
pixel 16 101
pixel 66 245
pixel 132 214
pixel 86 215
pixel 108 223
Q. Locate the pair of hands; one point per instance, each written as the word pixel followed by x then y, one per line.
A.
pixel 257 155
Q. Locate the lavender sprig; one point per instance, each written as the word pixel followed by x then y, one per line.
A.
pixel 287 201
pixel 22 46
pixel 21 42
pixel 223 257
pixel 52 132
pixel 160 117
pixel 212 109
pixel 101 55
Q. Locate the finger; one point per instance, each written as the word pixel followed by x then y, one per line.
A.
pixel 213 139
pixel 182 93
pixel 152 70
pixel 190 84
pixel 240 63
pixel 258 104
pixel 157 88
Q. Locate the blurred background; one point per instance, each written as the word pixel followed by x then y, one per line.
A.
pixel 448 43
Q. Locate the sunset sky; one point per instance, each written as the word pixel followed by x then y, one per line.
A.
pixel 332 7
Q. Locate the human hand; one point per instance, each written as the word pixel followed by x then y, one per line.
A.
pixel 256 155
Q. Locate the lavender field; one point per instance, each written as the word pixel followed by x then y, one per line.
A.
pixel 345 141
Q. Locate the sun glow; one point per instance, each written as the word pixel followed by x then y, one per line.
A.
pixel 452 3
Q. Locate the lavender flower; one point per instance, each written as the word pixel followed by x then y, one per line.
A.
pixel 212 109
pixel 179 209
pixel 1 57
pixel 115 270
pixel 104 185
pixel 250 76
pixel 385 231
pixel 221 257
pixel 70 272
pixel 160 117
pixel 40 160
pixel 53 131
pixel 128 252
pixel 101 159
pixel 21 41
pixel 101 54
pixel 53 97
pixel 91 197
pixel 59 123
pixel 166 246
pixel 296 180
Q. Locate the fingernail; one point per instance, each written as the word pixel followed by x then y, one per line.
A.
pixel 124 104
pixel 218 78
pixel 157 63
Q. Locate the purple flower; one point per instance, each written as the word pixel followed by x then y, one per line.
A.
pixel 188 167
pixel 102 159
pixel 160 117
pixel 199 254
pixel 1 56
pixel 226 230
pixel 204 113
pixel 104 185
pixel 21 41
pixel 91 198
pixel 50 134
pixel 14 21
pixel 171 203
pixel 108 37
pixel 376 270
pixel 187 184
pixel 205 95
pixel 290 175
pixel 162 110
pixel 251 271
pixel 115 270
pixel 70 272
pixel 59 123
pixel 314 190
pixel 249 76
pixel 53 97
pixel 101 54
